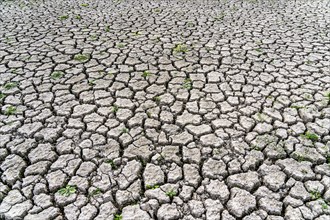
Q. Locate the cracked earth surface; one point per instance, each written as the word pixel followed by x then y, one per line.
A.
pixel 165 109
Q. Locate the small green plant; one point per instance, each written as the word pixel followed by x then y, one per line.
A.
pixel 120 45
pixel 258 50
pixel 84 5
pixel 67 191
pixel 146 74
pixel 160 158
pixel 9 41
pixel 149 114
pixel 112 164
pixel 157 99
pixel 190 24
pixel 180 48
pixel 11 110
pixel 63 17
pixel 234 8
pixel 171 193
pixel 270 97
pixel 315 194
pixel 324 205
pixel 216 152
pixel 78 17
pixel 157 10
pixel 187 84
pixel 81 57
pixel 10 85
pixel 91 82
pixel 308 97
pixel 22 5
pixel 297 107
pixel 328 159
pixel 220 16
pixel 93 37
pixel 107 29
pixel 260 117
pixel 57 75
pixel 208 49
pixel 255 147
pixel 136 33
pixel 118 217
pixel 124 130
pixel 327 95
pixel 2 96
pixel 143 162
pixel 95 192
pixel 301 158
pixel 311 136
pixel 304 171
pixel 152 187
pixel 115 108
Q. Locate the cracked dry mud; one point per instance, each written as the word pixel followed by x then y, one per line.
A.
pixel 165 109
